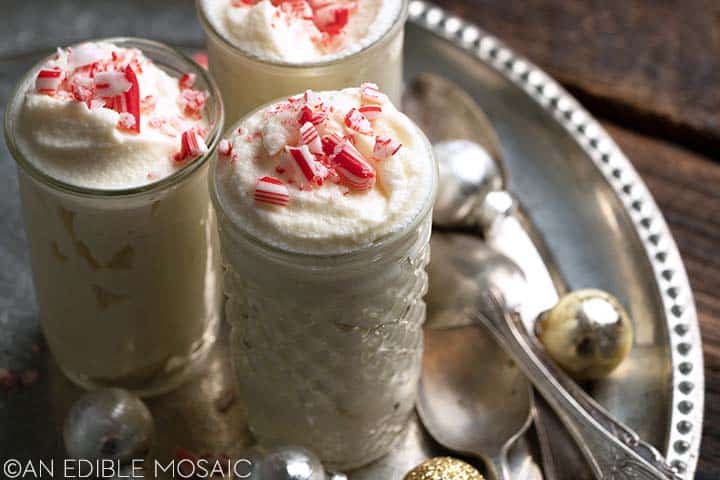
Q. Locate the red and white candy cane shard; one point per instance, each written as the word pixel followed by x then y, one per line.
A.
pixel 48 80
pixel 311 98
pixel 385 147
pixel 187 80
pixel 307 114
pixel 192 145
pixel 332 143
pixel 225 147
pixel 355 120
pixel 297 8
pixel 312 171
pixel 332 18
pixel 371 112
pixel 201 58
pixel 309 136
pixel 128 101
pixel 85 54
pixel 352 167
pixel 111 84
pixel 371 93
pixel 272 191
pixel 126 121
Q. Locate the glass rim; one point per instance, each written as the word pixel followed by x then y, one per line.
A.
pixel 356 255
pixel 36 173
pixel 210 29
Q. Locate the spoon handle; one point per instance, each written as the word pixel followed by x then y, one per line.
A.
pixel 613 451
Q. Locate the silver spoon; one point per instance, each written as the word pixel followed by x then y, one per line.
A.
pixel 472 397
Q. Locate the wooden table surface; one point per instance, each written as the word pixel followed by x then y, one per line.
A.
pixel 650 71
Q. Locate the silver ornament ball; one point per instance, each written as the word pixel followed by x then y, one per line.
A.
pixel 588 334
pixel 108 424
pixel 290 463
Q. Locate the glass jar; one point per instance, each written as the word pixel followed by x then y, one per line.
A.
pixel 247 81
pixel 327 348
pixel 127 281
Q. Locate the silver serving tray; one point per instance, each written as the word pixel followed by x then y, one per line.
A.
pixel 598 219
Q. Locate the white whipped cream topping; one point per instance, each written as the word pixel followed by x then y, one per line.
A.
pixel 82 145
pixel 331 218
pixel 269 33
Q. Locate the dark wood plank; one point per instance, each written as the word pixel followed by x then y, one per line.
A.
pixel 685 186
pixel 653 65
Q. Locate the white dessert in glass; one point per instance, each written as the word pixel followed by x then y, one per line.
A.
pixel 324 205
pixel 111 139
pixel 260 50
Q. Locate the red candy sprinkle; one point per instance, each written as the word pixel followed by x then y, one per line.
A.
pixel 187 80
pixel 297 8
pixel 128 101
pixel 332 18
pixel 370 92
pixel 313 171
pixel 308 115
pixel 193 102
pixel 48 80
pixel 354 170
pixel 272 191
pixel 191 145
pixel 371 112
pixel 111 84
pixel 309 136
pixel 385 147
pixel 358 122
pixel 225 147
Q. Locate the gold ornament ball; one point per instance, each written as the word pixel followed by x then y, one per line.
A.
pixel 588 334
pixel 443 468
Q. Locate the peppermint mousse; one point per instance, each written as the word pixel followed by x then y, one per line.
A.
pixel 139 123
pixel 324 172
pixel 324 205
pixel 300 31
pixel 124 254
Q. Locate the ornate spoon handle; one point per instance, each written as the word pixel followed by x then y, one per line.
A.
pixel 613 451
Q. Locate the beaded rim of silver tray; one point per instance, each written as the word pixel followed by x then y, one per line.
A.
pixel 685 346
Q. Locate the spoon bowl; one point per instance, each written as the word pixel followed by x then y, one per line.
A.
pixel 472 397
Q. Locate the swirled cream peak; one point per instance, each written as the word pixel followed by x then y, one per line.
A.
pixel 106 117
pixel 324 172
pixel 300 31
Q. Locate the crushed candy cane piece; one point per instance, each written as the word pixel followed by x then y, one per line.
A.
pixel 48 80
pixel 371 112
pixel 192 145
pixel 297 8
pixel 129 101
pixel 385 147
pixel 307 114
pixel 355 120
pixel 370 92
pixel 111 84
pixel 85 54
pixel 272 191
pixel 307 164
pixel 193 102
pixel 353 169
pixel 309 136
pixel 331 18
pixel 225 147
pixel 187 80
pixel 126 121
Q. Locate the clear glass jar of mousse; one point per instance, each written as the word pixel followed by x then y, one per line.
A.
pixel 127 281
pixel 327 349
pixel 247 81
